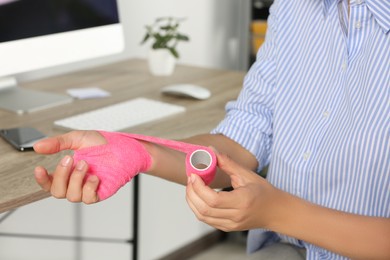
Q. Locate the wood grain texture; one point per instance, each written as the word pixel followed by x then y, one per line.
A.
pixel 125 80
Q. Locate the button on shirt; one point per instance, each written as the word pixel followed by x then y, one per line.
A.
pixel 315 107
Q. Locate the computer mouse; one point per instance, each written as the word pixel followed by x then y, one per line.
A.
pixel 187 90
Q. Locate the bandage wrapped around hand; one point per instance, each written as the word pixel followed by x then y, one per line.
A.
pixel 124 156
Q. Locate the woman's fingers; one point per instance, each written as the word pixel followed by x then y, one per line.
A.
pixel 222 200
pixel 76 181
pixel 80 190
pixel 208 203
pixel 43 178
pixel 217 222
pixel 61 177
pixel 69 182
pixel 234 210
pixel 90 190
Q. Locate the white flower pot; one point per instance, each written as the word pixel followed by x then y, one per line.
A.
pixel 161 62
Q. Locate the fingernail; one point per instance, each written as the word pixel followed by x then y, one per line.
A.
pixel 80 165
pixel 65 161
pixel 214 149
pixel 93 178
pixel 192 178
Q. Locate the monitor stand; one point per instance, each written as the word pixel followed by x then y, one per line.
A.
pixel 21 100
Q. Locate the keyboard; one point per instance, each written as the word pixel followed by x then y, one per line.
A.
pixel 121 116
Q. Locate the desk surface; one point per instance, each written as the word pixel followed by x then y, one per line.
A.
pixel 125 80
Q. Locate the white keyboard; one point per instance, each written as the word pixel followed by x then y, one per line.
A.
pixel 120 116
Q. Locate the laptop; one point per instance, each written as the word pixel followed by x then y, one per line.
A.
pixel 21 100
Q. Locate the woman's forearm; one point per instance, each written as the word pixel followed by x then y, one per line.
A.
pixel 169 164
pixel 354 236
pixel 166 163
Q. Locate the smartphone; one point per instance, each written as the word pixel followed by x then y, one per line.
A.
pixel 22 138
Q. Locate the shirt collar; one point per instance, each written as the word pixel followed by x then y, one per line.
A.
pixel 379 9
pixel 327 6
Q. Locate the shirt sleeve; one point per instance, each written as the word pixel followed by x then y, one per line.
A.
pixel 248 119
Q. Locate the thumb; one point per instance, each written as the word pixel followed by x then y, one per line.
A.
pixel 70 141
pixel 236 172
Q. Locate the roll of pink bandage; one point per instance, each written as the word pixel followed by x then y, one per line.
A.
pixel 200 160
pixel 123 157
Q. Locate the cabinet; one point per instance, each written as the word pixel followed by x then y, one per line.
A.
pixel 56 229
pixel 166 221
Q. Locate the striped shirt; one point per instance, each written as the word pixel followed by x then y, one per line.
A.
pixel 315 108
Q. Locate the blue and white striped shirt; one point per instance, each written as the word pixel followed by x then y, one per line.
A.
pixel 315 107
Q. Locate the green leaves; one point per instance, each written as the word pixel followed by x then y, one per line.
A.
pixel 174 52
pixel 146 38
pixel 165 35
pixel 182 37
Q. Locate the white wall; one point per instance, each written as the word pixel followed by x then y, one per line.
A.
pixel 218 30
pixel 213 25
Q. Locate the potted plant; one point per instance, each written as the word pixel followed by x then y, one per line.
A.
pixel 164 33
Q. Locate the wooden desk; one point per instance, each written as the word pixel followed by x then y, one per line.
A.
pixel 125 80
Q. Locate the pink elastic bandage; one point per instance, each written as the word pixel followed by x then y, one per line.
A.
pixel 123 157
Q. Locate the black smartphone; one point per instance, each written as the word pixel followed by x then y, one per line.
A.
pixel 22 138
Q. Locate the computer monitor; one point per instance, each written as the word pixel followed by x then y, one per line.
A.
pixel 38 34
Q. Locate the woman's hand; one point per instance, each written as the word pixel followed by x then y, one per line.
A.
pixel 252 204
pixel 68 181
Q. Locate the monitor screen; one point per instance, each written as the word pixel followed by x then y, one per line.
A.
pixel 41 34
pixel 36 34
pixel 30 18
